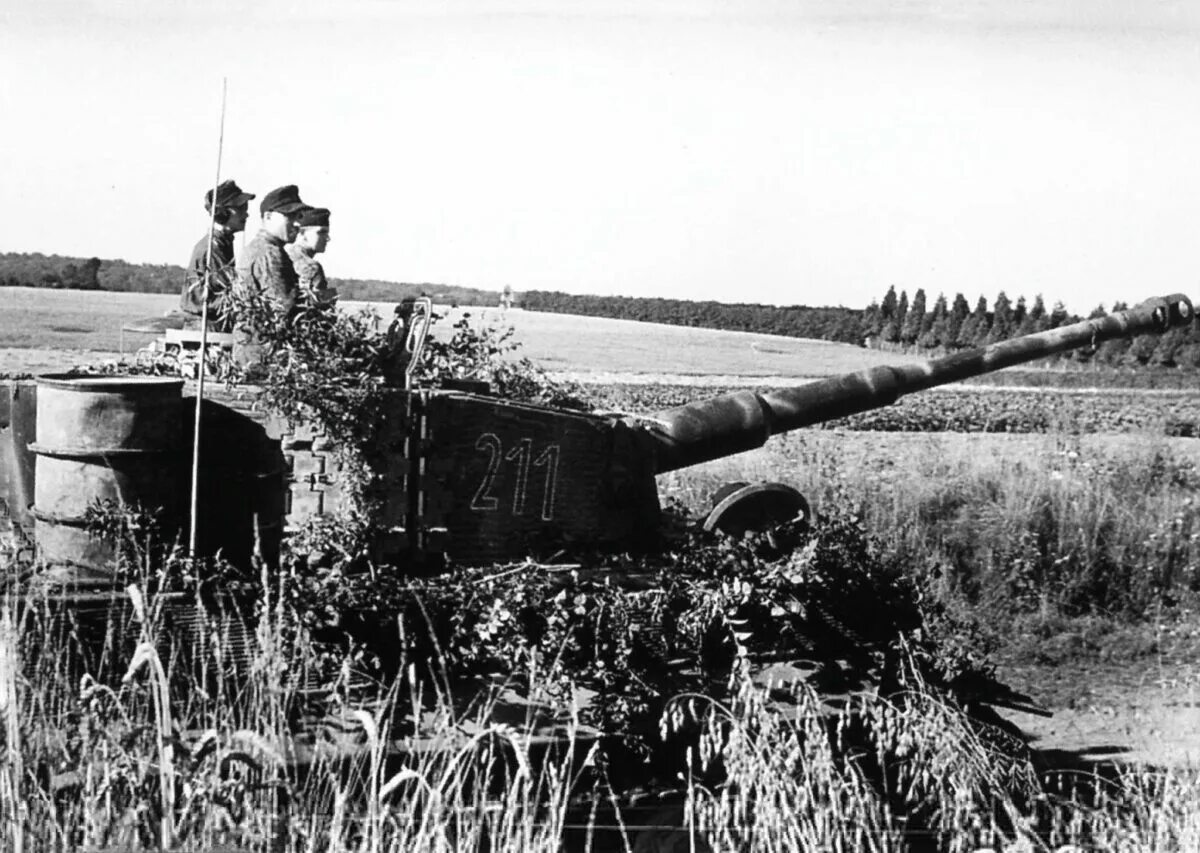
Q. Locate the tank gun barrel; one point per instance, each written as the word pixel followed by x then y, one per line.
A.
pixel 743 420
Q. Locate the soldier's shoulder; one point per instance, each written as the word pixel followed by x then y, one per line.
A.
pixel 221 244
pixel 260 246
pixel 251 253
pixel 200 250
pixel 301 260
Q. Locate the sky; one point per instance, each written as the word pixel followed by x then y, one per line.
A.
pixel 797 152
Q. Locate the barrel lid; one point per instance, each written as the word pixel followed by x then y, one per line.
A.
pixel 86 382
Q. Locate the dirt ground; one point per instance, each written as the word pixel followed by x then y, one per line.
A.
pixel 1141 712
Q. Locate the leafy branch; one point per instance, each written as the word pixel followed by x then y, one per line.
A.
pixel 335 369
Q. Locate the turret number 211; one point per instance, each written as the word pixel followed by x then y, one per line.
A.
pixel 522 455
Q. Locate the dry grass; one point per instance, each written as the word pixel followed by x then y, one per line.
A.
pixel 97 763
pixel 147 751
pixel 1053 524
pixel 1076 555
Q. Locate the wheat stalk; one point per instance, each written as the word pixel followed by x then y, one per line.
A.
pixel 10 794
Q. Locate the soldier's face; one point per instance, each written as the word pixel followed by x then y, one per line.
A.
pixel 237 218
pixel 314 238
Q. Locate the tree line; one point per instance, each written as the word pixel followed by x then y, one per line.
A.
pixel 798 321
pixel 33 269
pixel 947 326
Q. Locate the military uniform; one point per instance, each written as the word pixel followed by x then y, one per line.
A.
pixel 267 268
pixel 220 279
pixel 212 279
pixel 314 287
pixel 309 271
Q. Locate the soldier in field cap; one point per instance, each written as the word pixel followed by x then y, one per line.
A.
pixel 266 268
pixel 210 277
pixel 310 242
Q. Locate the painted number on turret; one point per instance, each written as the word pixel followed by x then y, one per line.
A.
pixel 522 456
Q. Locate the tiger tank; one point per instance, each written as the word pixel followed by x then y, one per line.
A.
pixel 463 477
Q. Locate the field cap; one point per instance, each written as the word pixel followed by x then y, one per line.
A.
pixel 314 217
pixel 229 194
pixel 283 200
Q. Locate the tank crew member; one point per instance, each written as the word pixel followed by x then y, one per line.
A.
pixel 266 268
pixel 213 281
pixel 310 242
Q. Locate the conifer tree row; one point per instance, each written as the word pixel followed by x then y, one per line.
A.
pixel 894 323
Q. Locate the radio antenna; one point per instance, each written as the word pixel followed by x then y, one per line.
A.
pixel 193 516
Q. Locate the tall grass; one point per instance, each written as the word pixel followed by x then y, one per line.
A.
pixel 1043 524
pixel 127 759
pixel 127 727
pixel 122 732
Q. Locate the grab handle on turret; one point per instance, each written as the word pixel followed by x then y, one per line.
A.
pixel 406 339
pixel 418 331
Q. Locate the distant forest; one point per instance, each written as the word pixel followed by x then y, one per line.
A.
pixel 893 323
pixel 798 321
pixel 37 270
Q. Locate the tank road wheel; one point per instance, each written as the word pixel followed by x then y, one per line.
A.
pixel 741 508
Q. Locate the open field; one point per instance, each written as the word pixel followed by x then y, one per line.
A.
pixel 588 347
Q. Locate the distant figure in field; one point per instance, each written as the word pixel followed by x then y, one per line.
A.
pixel 310 242
pixel 266 267
pixel 210 279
